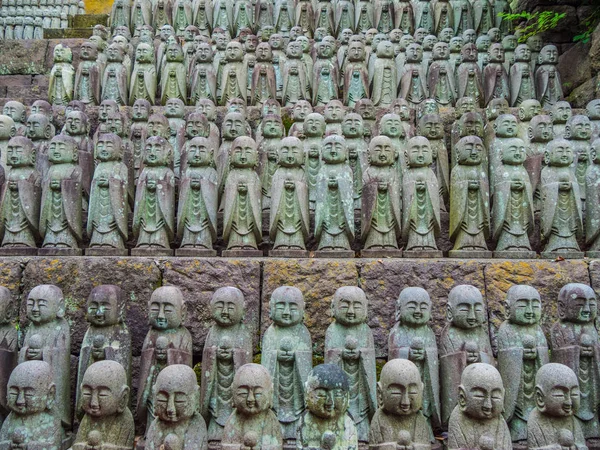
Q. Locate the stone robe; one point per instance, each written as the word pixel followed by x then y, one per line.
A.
pixel 194 437
pixel 117 431
pixel 384 430
pixel 421 209
pixel 269 434
pixel 465 432
pixel 542 431
pixel 62 84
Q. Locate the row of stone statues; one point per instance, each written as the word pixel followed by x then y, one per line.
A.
pixel 424 388
pixel 27 19
pixel 381 67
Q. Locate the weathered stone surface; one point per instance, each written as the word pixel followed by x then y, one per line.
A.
pixel 595 49
pixel 199 278
pixel 76 276
pixel 575 67
pixel 583 94
pixel 23 57
pixel 318 280
pixel 383 280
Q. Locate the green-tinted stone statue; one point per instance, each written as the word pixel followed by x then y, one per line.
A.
pixel 8 345
pixel 268 151
pixel 87 75
pixel 232 82
pixel 540 134
pixel 17 111
pixel 468 74
pixel 313 130
pixel 143 77
pixel 353 132
pixel 548 85
pixel 173 83
pixel 287 355
pixel 592 213
pixel 383 76
pixel 391 126
pixel 8 130
pixel 578 131
pixel 62 77
pixel 356 75
pixel 349 344
pixel 115 80
pixel 505 129
pixel 431 127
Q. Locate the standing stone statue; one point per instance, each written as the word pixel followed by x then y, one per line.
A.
pixel 468 75
pixel 46 312
pixel 411 338
pixel 264 85
pixel 469 201
pixel 540 134
pixel 431 127
pixel 476 421
pixel 334 209
pixel 62 77
pixel 574 343
pixel 20 201
pixel 8 130
pixel 548 84
pixel 105 401
pixel 300 110
pixel 32 423
pixel 522 81
pixel 413 75
pixel 353 132
pixel 8 346
pixel 287 355
pixel 440 76
pixel 198 201
pixel 592 213
pixel 522 350
pixel 173 79
pixel 168 342
pixel 143 77
pixel 232 82
pixel 334 117
pixel 154 214
pixel 560 112
pixel 592 110
pixel 383 77
pixel 313 130
pixel 327 424
pixel 87 75
pixel 106 316
pixel 554 422
pixel 325 75
pixel 495 78
pixel 349 344
pixel 178 423
pixel 561 221
pixel 115 80
pixel 234 125
pixel 527 111
pixel 356 75
pixel 228 347
pixel 578 131
pixel 268 151
pixel 401 399
pixel 252 423
pixel 464 340
pixel 204 75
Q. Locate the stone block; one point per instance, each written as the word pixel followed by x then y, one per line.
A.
pixel 23 57
pixel 199 278
pixel 11 81
pixel 76 276
pixel 583 94
pixel 574 67
pixel 90 20
pixel 318 280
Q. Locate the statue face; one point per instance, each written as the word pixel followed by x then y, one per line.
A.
pixel 207 107
pixel 523 53
pixel 352 126
pixel 233 126
pixel 37 127
pixel 325 49
pixel 103 310
pixel 18 154
pixel 579 127
pixel 432 128
pixel 294 50
pixel 549 55
pixel 402 393
pixel 287 312
pixel 391 126
pixel 541 129
pixel 199 154
pixel 234 51
pixel 469 53
pixel 525 308
pixel 385 49
pixel 483 400
pixel 106 108
pixel 144 53
pixel 334 151
pixel 107 149
pixel 414 53
pixel 141 110
pixel 496 53
pixel 61 152
pixel 513 152
pixel 204 52
pixel 381 152
pixel 415 310
pixel 456 44
pixel 441 51
pixel 251 44
pixel 472 125
pixel 334 111
pixel 579 307
pixel 174 401
pixel 290 153
pixel 251 395
pixel 560 154
pixel 429 41
pixel 366 109
pixel 346 34
pixel 62 54
pixel 14 110
pixel 314 125
pixel 195 126
pixel 506 126
pixel 165 313
pixel 88 51
pixel 157 127
pixel 76 124
pixel 419 153
pixel 156 152
pixel 300 110
pixel 43 306
pixel 272 128
pixel 175 108
pixel 244 154
pixel 420 34
pixel 100 397
pixel 227 310
pixel 446 35
pixel 325 402
pixel 114 53
pixel 468 313
pixel 28 395
pixel 114 124
pixel 356 51
pixel 350 308
pixel 469 36
pixel 305 43
pixel 561 112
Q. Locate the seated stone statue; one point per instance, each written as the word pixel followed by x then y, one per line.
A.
pixel 252 400
pixel 476 421
pixel 105 400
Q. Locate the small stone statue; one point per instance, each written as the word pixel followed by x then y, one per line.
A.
pixel 8 346
pixel 383 77
pixel 313 129
pixel 495 78
pixel 356 75
pixel 413 75
pixel 325 75
pixel 548 85
pixel 203 75
pixel 561 221
pixel 287 355
pixel 143 77
pixel 390 125
pixel 234 125
pixel 349 344
pixel 401 399
pixel 173 83
pixel 366 110
pixel 431 127
pixel 540 133
pixel 264 85
pixel 178 423
pixel 46 312
pixel 252 418
pixel 469 201
pixel 522 81
pixel 574 342
pixel 578 131
pixel 228 347
pixel 232 82
pixel 553 423
pixel 268 150
pixel 527 111
pixel 87 76
pixel 464 340
pixel 440 76
pixel 327 424
pixel 32 423
pixel 105 399
pixel 18 113
pixel 8 130
pixel 334 209
pixel 168 342
pixel 20 200
pixel 592 214
pixel 154 214
pixel 62 77
pixel 468 75
pixel 334 117
pixel 476 421
pixel 300 110
pixel 115 80
pixel 106 316
pixel 353 132
pixel 592 110
pixel 522 350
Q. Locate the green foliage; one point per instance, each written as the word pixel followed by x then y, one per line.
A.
pixel 589 25
pixel 531 24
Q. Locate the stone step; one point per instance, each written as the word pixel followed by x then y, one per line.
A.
pixel 89 20
pixel 68 33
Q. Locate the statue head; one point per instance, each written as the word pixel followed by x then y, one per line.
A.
pixel 578 127
pixel 16 111
pixel 144 53
pixel 314 125
pixel 352 126
pixel 176 394
pixel 413 307
pixel 420 34
pixel 456 44
pixel 63 150
pixel 100 43
pixel 385 49
pixel 107 107
pixel 115 53
pixel 465 105
pixel 523 305
pixel 548 55
pixel 236 105
pixel 327 392
pixel 401 107
pixel 106 305
pixel 6 305
pixel 471 124
pixel 390 125
pixel 400 389
pixel 122 42
pixel 276 41
pixel 234 52
pixel 557 390
pixel 252 390
pixel 535 43
pixel 324 49
pixel 414 53
pixel 272 126
pixel 62 54
pixel 496 53
pixel 115 124
pixel 561 112
pixel 495 108
pixel 592 109
pixel 405 41
pixel 305 43
pixel 196 125
pixel 174 53
pixel 165 32
pixel 356 51
pixel 429 41
pixel 466 309
pixel 431 127
pixel 291 152
pixel 418 152
pixel 595 152
pixel 158 125
pixel 35 349
pixel 286 307
pixel 199 153
pixel 264 52
pixel 109 147
pixel 522 53
pixel 365 108
pixel 234 125
pixel 334 150
pixel 104 389
pixel 244 153
pixel 481 392
pixel 349 306
pixel 505 126
pixel 204 52
pixel 30 388
pixel 530 108
pixel 42 107
pixel 559 153
pixel 19 153
pixel 294 50
pixel 45 303
pixel 483 43
pixel 251 43
pixel 208 108
pixel 381 151
pixel 75 105
pixel 577 304
pixel 166 308
pixel 175 108
pixel 513 152
pixel 334 111
pixel 227 306
pixel 77 124
pixel 441 51
pixel 427 106
pixel 38 127
pixel 446 35
pixel 88 51
pixel 469 53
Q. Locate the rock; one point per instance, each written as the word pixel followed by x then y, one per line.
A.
pixel 584 93
pixel 11 271
pixel 595 49
pixel 23 57
pixel 574 67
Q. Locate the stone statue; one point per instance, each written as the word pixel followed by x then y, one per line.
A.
pixel 412 338
pixel 505 129
pixel 469 201
pixel 561 222
pixel 252 418
pixel 204 75
pixel 495 78
pixel 154 214
pixel 173 83
pixel 383 78
pixel 553 423
pixel 548 85
pixel 106 316
pixel 289 224
pixel 228 347
pixel 483 43
pixel 46 314
pixel 325 75
pixel 560 112
pixel 431 127
pixel 468 75
pixel 464 340
pixel 105 401
pixel 413 76
pixel 234 125
pixel 175 113
pixel 356 75
pixel 476 421
pixel 167 343
pixel 115 79
pixel 527 111
pixel 87 76
pixel 366 110
pixel 574 342
pixel 522 81
pixel 287 355
pixel 313 130
pixel 264 84
pixel 120 14
pixel 32 423
pixel 268 150
pixel 578 131
pixel 198 201
pixel 143 77
pixel 592 110
pixel 540 133
pixel 349 344
pixel 176 397
pixel 327 424
pixel 300 110
pixel 522 350
pixel 20 200
pixel 390 125
pixel 334 116
pixel 241 201
pixel 334 202
pixel 400 393
pixel 592 184
pixel 18 113
pixel 62 77
pixel 421 222
pixel 440 76
pixel 8 346
pixel 232 82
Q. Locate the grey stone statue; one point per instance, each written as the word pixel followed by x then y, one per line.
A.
pixel 548 84
pixel 62 77
pixel 18 113
pixel 431 127
pixel 560 112
pixel 522 81
pixel 8 345
pixel 313 130
pixel 353 132
pixel 578 131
